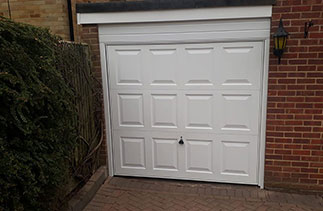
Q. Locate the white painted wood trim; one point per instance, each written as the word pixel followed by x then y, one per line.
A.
pixel 107 112
pixel 263 120
pixel 217 13
pixel 185 32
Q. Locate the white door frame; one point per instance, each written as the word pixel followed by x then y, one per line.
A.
pixel 258 24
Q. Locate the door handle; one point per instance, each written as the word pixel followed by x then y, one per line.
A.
pixel 181 141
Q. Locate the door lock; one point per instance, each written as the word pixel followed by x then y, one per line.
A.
pixel 181 141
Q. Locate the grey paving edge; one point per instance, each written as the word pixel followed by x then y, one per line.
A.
pixel 85 195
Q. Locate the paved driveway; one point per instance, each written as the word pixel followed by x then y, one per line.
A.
pixel 122 193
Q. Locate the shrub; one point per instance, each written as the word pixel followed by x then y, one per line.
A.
pixel 36 118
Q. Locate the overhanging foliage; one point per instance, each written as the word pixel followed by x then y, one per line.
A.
pixel 37 118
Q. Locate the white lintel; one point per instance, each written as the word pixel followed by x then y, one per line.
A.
pixel 217 13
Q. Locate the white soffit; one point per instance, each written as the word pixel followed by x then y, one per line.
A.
pixel 175 15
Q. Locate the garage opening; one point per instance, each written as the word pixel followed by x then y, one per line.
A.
pixel 185 99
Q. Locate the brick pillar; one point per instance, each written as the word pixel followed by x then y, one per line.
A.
pixel 294 149
pixel 89 34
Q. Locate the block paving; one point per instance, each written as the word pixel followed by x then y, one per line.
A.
pixel 130 194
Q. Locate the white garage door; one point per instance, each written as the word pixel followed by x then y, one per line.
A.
pixel 186 111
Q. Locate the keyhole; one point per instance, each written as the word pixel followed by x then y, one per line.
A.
pixel 181 141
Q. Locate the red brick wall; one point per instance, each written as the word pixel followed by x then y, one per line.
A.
pixel 51 14
pixel 294 149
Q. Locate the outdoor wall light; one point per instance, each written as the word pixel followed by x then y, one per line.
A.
pixel 280 38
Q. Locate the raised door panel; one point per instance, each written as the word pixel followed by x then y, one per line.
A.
pixel 198 111
pixel 161 64
pixel 130 152
pixel 237 158
pixel 164 111
pixel 128 110
pixel 198 66
pixel 199 156
pixel 239 65
pixel 165 154
pixel 237 112
pixel 125 65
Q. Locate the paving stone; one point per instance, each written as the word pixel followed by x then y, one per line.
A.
pixel 129 194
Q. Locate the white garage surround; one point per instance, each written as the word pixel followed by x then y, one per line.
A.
pixel 196 77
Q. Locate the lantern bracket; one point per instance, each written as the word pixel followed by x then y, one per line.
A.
pixel 306 28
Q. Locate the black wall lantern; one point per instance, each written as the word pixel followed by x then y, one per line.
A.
pixel 280 38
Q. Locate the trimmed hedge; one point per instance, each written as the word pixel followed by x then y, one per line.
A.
pixel 37 116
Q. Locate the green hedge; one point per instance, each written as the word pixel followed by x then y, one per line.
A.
pixel 36 118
